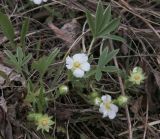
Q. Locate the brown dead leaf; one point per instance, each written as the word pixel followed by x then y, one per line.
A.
pixel 63 114
pixel 3 104
pixel 136 106
pixel 68 31
pixel 151 89
pixel 5 125
pixel 158 59
pixel 157 77
pixel 7 74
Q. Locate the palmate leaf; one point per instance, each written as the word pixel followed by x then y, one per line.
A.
pixel 104 59
pixel 44 62
pixel 18 60
pixel 7 28
pixel 102 25
pixel 108 28
pixel 103 18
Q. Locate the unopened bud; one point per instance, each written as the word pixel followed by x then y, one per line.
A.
pixel 63 89
pixel 94 94
pixel 97 101
pixel 122 100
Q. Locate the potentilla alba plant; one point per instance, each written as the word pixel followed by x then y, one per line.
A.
pixel 137 76
pixel 78 64
pixel 38 1
pixel 107 108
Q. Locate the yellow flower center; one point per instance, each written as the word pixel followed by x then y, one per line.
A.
pixel 137 77
pixel 107 105
pixel 44 122
pixel 76 64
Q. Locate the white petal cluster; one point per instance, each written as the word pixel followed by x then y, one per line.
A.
pixel 107 108
pixel 38 1
pixel 78 64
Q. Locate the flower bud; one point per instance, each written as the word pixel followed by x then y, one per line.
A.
pixel 137 76
pixel 97 101
pixel 63 89
pixel 94 94
pixel 122 100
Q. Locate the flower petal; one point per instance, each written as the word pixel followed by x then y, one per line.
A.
pixel 85 66
pixel 37 1
pixel 105 114
pixel 106 98
pixel 69 62
pixel 81 57
pixel 102 108
pixel 111 114
pixel 114 108
pixel 78 73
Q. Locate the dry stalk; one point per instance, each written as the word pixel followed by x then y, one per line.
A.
pixel 123 93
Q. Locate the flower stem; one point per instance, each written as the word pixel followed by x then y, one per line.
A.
pixel 91 45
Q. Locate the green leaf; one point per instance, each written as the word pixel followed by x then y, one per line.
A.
pixel 24 30
pixel 99 17
pixel 102 57
pixel 106 16
pixel 20 55
pixel 10 56
pixel 114 37
pixel 90 20
pixel 7 28
pixel 27 59
pixel 44 62
pixel 98 75
pixel 106 57
pixel 107 29
pixel 19 60
pixel 41 100
pixel 110 69
pixel 90 73
pixel 105 19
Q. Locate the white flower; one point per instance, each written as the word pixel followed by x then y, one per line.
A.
pixel 78 64
pixel 38 1
pixel 107 108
